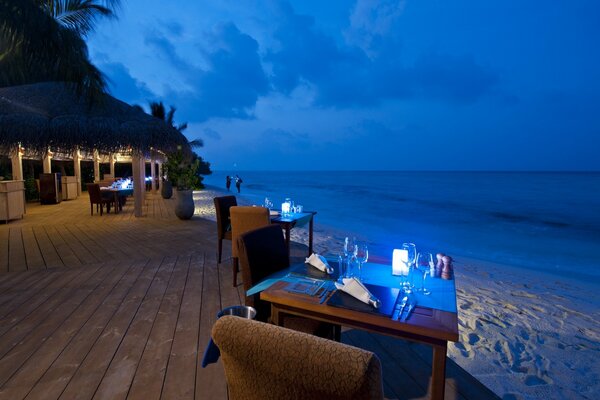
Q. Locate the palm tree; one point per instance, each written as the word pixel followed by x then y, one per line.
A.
pixel 157 109
pixel 44 41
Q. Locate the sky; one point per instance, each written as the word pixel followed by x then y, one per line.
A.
pixel 366 85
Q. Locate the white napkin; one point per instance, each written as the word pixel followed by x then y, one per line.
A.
pixel 319 262
pixel 355 288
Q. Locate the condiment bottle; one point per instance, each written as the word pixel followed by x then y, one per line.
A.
pixel 440 264
pixel 447 268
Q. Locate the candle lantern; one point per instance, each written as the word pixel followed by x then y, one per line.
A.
pixel 400 262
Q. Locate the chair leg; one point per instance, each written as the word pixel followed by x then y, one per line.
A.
pixel 101 208
pixel 236 268
pixel 220 249
pixel 91 209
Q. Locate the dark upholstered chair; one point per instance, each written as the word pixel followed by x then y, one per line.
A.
pixel 263 252
pixel 97 199
pixel 222 205
pixel 264 361
pixel 244 219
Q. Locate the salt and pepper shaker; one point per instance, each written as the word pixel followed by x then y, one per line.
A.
pixel 440 264
pixel 447 267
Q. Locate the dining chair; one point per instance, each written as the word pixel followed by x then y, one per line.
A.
pixel 264 361
pixel 222 206
pixel 263 252
pixel 243 219
pixel 97 199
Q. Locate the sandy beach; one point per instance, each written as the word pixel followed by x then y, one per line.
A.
pixel 524 334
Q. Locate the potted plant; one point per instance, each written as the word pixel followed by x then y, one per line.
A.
pixel 182 172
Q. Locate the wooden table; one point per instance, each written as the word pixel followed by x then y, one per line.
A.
pixel 287 223
pixel 118 194
pixel 425 325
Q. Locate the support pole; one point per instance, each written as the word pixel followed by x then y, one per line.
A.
pixel 47 162
pixel 139 185
pixel 77 168
pixel 153 172
pixel 96 166
pixel 113 159
pixel 16 160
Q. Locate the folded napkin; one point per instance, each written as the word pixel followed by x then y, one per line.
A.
pixel 320 263
pixel 356 289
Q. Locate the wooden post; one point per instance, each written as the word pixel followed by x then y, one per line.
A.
pixel 153 172
pixel 16 160
pixel 138 183
pixel 112 159
pixel 47 162
pixel 96 166
pixel 77 168
pixel 160 174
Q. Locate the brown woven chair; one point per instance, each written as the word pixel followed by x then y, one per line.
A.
pixel 244 219
pixel 264 361
pixel 263 252
pixel 222 205
pixel 97 199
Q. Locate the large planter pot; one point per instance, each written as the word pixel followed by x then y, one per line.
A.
pixel 184 207
pixel 166 190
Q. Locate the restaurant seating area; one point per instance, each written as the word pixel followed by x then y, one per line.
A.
pixel 122 307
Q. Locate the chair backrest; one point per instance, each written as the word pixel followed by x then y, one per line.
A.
pixel 222 206
pixel 264 361
pixel 94 191
pixel 262 252
pixel 244 219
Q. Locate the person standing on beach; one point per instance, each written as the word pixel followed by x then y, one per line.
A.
pixel 228 182
pixel 238 182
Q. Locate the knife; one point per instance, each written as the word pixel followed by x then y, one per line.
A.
pixel 410 308
pixel 400 308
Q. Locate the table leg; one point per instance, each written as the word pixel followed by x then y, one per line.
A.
pixel 438 371
pixel 287 237
pixel 116 204
pixel 275 316
pixel 310 235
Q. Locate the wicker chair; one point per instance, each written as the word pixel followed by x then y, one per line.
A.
pixel 222 205
pixel 244 219
pixel 263 252
pixel 264 361
pixel 97 199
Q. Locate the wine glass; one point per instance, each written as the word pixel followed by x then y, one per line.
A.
pixel 424 265
pixel 362 255
pixel 411 251
pixel 268 203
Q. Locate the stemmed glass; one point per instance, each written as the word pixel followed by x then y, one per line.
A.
pixel 362 255
pixel 424 265
pixel 268 203
pixel 411 250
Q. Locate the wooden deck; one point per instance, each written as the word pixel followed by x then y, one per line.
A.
pixel 118 307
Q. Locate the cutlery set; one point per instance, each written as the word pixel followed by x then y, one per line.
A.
pixel 400 309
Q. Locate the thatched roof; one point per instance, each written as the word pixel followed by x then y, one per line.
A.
pixel 52 115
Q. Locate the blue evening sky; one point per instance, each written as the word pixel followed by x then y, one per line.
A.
pixel 357 84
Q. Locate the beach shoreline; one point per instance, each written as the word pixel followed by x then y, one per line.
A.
pixel 524 334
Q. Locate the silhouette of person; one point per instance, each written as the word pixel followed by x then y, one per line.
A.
pixel 238 183
pixel 228 182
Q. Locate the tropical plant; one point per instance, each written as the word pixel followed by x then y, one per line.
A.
pixel 183 170
pixel 43 40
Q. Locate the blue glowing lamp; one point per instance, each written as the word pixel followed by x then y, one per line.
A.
pixel 400 262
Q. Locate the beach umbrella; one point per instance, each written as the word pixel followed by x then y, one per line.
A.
pixel 53 114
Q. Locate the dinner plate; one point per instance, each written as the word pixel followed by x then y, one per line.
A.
pixel 274 213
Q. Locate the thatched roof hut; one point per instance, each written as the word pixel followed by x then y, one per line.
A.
pixel 53 115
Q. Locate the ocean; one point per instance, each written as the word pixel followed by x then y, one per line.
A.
pixel 541 221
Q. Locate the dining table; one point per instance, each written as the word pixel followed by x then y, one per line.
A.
pixel 431 319
pixel 295 220
pixel 118 194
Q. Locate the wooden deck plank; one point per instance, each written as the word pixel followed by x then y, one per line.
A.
pixel 84 382
pixel 67 255
pixel 16 250
pixel 24 289
pixel 183 361
pixel 30 343
pixel 78 248
pixel 33 255
pixel 17 329
pixel 51 257
pixel 54 380
pixel 33 369
pixel 149 377
pixel 210 380
pixel 4 249
pixel 120 373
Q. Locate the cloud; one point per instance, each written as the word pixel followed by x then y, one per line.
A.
pixel 230 83
pixel 212 134
pixel 368 69
pixel 125 87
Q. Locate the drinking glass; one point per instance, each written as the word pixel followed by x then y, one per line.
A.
pixel 268 203
pixel 411 250
pixel 350 253
pixel 362 255
pixel 424 265
pixel 341 266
